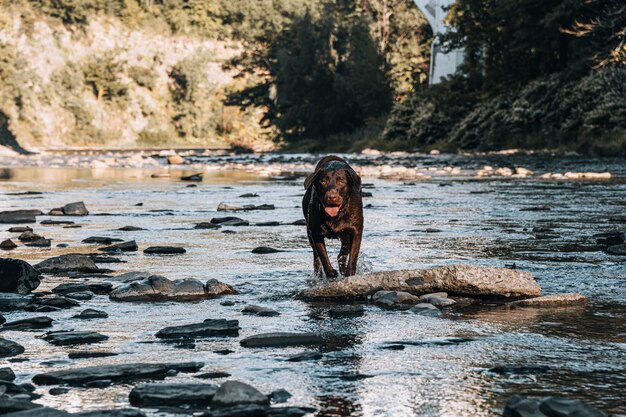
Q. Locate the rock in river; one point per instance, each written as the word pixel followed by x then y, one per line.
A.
pixel 17 276
pixel 71 209
pixel 155 395
pixel 229 221
pixel 164 250
pixel 129 246
pixel 19 216
pixel 7 244
pixel 125 372
pixel 28 324
pixel 520 406
pixel 62 338
pixel 96 287
pixel 159 288
pixel 553 300
pixel 465 280
pixel 90 313
pixel 6 374
pixel 12 302
pixel 232 393
pixel 10 348
pixel 68 263
pixel 101 240
pixel 265 250
pixel 209 327
pixel 281 339
pixel 425 309
pixel 394 299
pixel 29 236
pixel 259 311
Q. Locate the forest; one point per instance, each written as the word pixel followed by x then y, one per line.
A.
pixel 312 75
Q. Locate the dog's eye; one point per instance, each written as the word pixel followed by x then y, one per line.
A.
pixel 324 181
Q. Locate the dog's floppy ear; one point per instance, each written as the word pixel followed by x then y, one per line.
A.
pixel 354 177
pixel 308 181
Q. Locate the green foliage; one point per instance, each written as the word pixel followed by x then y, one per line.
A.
pixel 102 75
pixel 144 77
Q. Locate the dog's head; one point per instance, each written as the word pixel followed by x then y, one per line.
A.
pixel 333 181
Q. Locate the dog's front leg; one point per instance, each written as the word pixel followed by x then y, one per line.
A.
pixel 354 252
pixel 342 259
pixel 320 249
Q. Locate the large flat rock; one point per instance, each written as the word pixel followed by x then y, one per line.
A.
pixel 217 327
pixel 466 280
pixel 176 394
pixel 159 288
pixel 553 300
pixel 278 339
pixel 116 373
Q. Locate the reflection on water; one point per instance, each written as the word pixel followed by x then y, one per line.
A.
pixel 578 352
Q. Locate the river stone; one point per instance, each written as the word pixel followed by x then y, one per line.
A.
pixel 553 300
pixel 261 250
pixel 610 238
pixel 259 311
pixel 31 323
pixel 394 299
pixel 209 327
pixel 90 354
pixel 438 301
pixel 56 301
pixel 232 393
pixel 433 294
pixel 101 240
pixel 213 375
pixel 40 243
pixel 346 311
pixel 21 407
pixel 68 263
pixel 280 396
pixel 17 276
pixel 129 246
pixel 96 288
pixel 125 372
pixel 175 160
pixel 270 223
pixel 279 339
pixel 19 229
pixel 305 356
pixel 8 244
pixel 75 209
pixel 62 338
pixel 425 309
pixel 176 394
pixel 12 302
pixel 193 177
pixel 131 276
pixel 131 228
pixel 158 288
pixel 229 221
pixel 520 406
pixel 80 295
pixel 467 280
pixel 164 250
pixel 19 216
pixel 90 313
pixel 616 250
pixel 10 348
pixel 215 288
pixel 6 374
pixel 124 412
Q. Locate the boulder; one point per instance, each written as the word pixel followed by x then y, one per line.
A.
pixel 164 250
pixel 619 250
pixel 17 276
pixel 29 236
pixel 125 372
pixel 96 287
pixel 10 348
pixel 40 243
pixel 19 229
pixel 56 301
pixel 7 244
pixel 232 393
pixel 90 313
pixel 129 246
pixel 159 288
pixel 75 209
pixel 466 280
pixel 31 323
pixel 6 374
pixel 553 300
pixel 19 216
pixel 209 327
pixel 68 263
pixel 394 299
pixel 281 339
pixel 178 394
pixel 62 338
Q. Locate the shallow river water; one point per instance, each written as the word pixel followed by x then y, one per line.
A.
pixel 575 352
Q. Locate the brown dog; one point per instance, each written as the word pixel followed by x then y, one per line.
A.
pixel 333 209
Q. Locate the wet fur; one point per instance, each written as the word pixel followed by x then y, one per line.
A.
pixel 347 226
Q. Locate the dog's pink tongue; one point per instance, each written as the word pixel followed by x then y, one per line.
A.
pixel 332 211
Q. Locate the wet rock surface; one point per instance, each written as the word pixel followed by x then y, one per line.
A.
pixel 280 339
pixel 553 300
pixel 209 327
pixel 164 250
pixel 31 323
pixel 115 373
pixel 457 279
pixel 10 348
pixel 520 406
pixel 68 263
pixel 232 393
pixel 17 276
pixel 66 338
pixel 155 395
pixel 158 288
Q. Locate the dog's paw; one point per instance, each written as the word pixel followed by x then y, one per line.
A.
pixel 332 274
